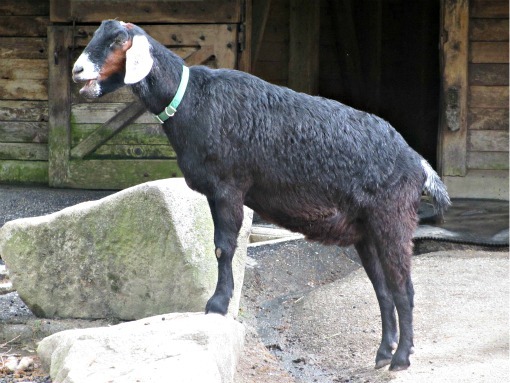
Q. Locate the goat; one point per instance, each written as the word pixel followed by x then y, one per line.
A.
pixel 312 165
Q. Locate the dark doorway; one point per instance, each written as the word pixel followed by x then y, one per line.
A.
pixel 382 56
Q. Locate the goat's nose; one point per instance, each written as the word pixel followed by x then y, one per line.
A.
pixel 77 69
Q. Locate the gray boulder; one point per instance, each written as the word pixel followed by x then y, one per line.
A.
pixel 144 251
pixel 179 348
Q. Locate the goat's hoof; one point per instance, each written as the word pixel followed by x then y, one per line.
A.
pixel 217 305
pixel 382 363
pixel 399 363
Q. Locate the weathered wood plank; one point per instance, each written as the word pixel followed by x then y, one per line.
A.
pixel 114 152
pixel 119 174
pixel 489 52
pixel 95 113
pixel 488 160
pixel 24 172
pixel 60 10
pixel 211 11
pixel 23 111
pixel 488 74
pixel 60 40
pixel 488 141
pixel 260 16
pixel 25 8
pixel 488 30
pixel 489 9
pixel 23 69
pixel 479 184
pixel 23 152
pixel 23 48
pixel 454 55
pixel 14 131
pixel 134 134
pixel 21 89
pixel 488 96
pixel 304 46
pixel 23 26
pixel 488 119
pixel 108 130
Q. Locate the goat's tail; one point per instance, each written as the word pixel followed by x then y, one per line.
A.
pixel 435 188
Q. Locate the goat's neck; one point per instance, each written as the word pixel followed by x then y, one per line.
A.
pixel 158 89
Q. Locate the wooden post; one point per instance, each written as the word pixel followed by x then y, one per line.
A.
pixel 454 66
pixel 304 46
pixel 59 103
pixel 260 14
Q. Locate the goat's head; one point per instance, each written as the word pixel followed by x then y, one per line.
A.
pixel 118 54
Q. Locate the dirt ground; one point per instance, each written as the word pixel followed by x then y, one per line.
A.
pixel 322 331
pixel 311 316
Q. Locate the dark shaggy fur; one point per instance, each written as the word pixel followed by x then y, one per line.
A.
pixel 338 175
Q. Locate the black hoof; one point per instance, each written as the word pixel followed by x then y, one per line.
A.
pixel 399 362
pixel 218 304
pixel 382 363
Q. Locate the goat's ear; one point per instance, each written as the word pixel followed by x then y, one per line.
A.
pixel 138 60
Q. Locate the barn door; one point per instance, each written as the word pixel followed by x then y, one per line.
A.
pixel 113 143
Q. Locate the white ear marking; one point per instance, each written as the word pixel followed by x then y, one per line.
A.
pixel 138 60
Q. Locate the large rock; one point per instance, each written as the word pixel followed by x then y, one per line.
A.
pixel 144 251
pixel 179 348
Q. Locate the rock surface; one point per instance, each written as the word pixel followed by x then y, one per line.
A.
pixel 143 251
pixel 185 348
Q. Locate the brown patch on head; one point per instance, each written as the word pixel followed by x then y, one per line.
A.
pixel 115 61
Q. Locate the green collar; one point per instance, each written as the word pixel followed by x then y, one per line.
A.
pixel 172 107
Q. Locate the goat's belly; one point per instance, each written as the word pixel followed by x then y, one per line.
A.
pixel 320 222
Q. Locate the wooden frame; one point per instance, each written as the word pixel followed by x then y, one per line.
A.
pixel 454 108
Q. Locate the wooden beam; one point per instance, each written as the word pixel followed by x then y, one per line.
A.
pixel 454 65
pixel 59 103
pixel 304 46
pixel 260 15
pixel 108 130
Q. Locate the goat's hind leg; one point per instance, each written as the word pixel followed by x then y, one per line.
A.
pixel 370 261
pixel 227 217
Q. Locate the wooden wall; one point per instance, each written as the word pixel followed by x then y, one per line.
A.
pixel 487 104
pixel 488 86
pixel 23 91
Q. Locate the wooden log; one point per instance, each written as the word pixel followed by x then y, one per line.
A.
pixel 488 52
pixel 488 141
pixel 488 160
pixel 488 30
pixel 488 96
pixel 119 174
pixel 488 119
pixel 488 74
pixel 23 48
pixel 14 131
pixel 23 26
pixel 23 111
pixel 489 9
pixel 23 152
pixel 24 172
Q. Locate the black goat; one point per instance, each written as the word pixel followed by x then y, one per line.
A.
pixel 338 175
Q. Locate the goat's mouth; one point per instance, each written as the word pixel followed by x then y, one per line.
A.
pixel 91 89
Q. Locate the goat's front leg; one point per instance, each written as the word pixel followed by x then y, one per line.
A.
pixel 227 214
